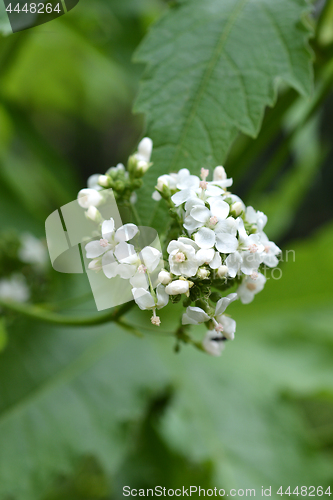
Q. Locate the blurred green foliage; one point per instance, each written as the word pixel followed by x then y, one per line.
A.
pixel 85 411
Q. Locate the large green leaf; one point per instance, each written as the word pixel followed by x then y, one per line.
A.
pixel 70 393
pixel 212 67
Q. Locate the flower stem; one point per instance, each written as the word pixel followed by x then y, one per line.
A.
pixel 40 314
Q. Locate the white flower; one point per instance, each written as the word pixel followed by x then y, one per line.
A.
pixel 203 273
pixel 164 277
pixel 196 315
pixel 201 193
pixel 213 343
pixel 145 300
pixel 103 180
pixel 95 265
pixel 177 287
pixel 145 149
pixel 182 259
pixel 222 271
pixel 110 238
pixel 248 256
pixel 220 178
pixel 228 326
pixel 223 237
pixel 167 180
pixel 114 249
pixel 249 287
pixel 14 288
pixel 198 215
pixel 187 181
pixel 142 166
pixel 269 255
pixel 142 156
pixel 237 208
pixel 32 250
pixel 208 256
pixel 93 182
pixel 89 197
pixel 93 214
pixel 146 262
pixel 257 218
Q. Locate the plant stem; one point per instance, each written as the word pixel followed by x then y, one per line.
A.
pixel 41 314
pixel 135 214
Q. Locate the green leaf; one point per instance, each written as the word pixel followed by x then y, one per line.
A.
pixel 74 393
pixel 212 67
pixel 65 394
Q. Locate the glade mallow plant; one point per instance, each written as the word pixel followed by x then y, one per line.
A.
pixel 213 243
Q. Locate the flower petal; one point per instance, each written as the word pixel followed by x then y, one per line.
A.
pixel 200 213
pixel 205 238
pixel 191 224
pixel 139 280
pixel 151 257
pixel 233 262
pixel 125 252
pixel 219 208
pixel 126 271
pixel 216 262
pixel 107 228
pixel 188 268
pixel 229 326
pixel 223 303
pixel 194 316
pixel 109 265
pixel 94 249
pixel 162 296
pixel 251 262
pixel 204 256
pixel 182 196
pixel 213 343
pixel 226 243
pixel 126 232
pixel 143 298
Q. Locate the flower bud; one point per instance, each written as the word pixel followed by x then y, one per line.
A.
pixel 161 182
pixel 142 166
pixel 236 208
pixel 89 197
pixel 103 180
pixel 145 148
pixel 222 271
pixel 95 265
pixel 93 214
pixel 219 174
pixel 177 287
pixel 119 186
pixel 203 273
pixel 164 277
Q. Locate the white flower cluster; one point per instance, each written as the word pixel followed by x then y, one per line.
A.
pixel 32 251
pixel 115 256
pixel 122 181
pixel 222 243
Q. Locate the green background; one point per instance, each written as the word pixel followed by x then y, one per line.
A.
pixel 85 411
